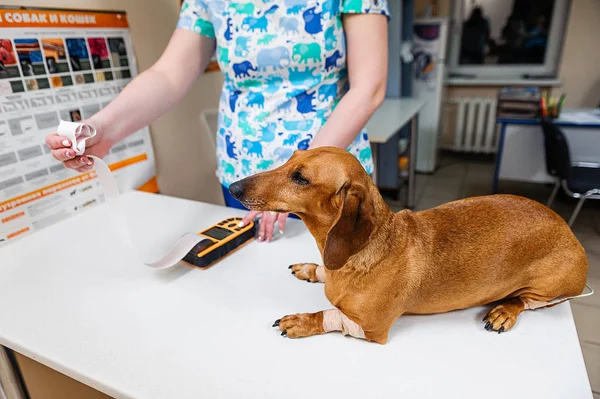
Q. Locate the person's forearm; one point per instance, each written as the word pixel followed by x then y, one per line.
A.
pixel 366 38
pixel 146 98
pixel 350 116
pixel 156 90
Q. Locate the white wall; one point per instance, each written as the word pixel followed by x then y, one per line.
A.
pixel 580 65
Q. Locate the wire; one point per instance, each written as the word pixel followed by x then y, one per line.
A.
pixel 559 301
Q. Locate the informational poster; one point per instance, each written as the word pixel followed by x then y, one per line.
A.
pixel 60 64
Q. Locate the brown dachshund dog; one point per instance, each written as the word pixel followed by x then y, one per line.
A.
pixel 379 265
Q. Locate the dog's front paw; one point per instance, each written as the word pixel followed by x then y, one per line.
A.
pixel 306 271
pixel 300 325
pixel 309 272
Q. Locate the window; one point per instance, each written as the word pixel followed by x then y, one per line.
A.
pixel 507 39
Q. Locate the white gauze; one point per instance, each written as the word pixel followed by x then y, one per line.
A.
pixel 335 320
pixel 320 272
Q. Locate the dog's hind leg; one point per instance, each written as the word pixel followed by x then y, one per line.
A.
pixel 310 272
pixel 504 316
pixel 539 293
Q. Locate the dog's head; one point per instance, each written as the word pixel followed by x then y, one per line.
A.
pixel 328 188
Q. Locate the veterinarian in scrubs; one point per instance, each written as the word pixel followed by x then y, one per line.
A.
pixel 299 74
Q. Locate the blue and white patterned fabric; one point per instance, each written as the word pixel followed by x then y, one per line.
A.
pixel 284 63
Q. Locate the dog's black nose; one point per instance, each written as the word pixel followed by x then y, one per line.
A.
pixel 237 189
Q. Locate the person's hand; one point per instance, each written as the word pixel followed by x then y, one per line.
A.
pixel 267 223
pixel 61 149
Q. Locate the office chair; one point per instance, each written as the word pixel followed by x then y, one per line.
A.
pixel 579 179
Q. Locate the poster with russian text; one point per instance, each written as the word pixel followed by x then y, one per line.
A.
pixel 60 64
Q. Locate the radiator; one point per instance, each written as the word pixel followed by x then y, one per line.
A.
pixel 475 125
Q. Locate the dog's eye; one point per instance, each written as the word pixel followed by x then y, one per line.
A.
pixel 299 179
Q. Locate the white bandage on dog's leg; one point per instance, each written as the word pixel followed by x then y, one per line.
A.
pixel 531 304
pixel 335 320
pixel 320 272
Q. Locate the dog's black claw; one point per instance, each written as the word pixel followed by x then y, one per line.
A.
pixel 276 324
pixel 488 326
pixel 485 318
pixel 294 273
pixel 290 266
pixel 308 281
pixel 284 334
pixel 501 330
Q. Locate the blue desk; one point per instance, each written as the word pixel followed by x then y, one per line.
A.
pixel 520 155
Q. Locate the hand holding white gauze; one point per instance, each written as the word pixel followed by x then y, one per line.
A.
pixel 78 134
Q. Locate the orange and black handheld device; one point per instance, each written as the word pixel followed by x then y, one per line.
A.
pixel 221 239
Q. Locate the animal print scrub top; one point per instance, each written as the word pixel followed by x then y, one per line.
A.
pixel 284 63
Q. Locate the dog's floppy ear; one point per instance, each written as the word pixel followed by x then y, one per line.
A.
pixel 351 230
